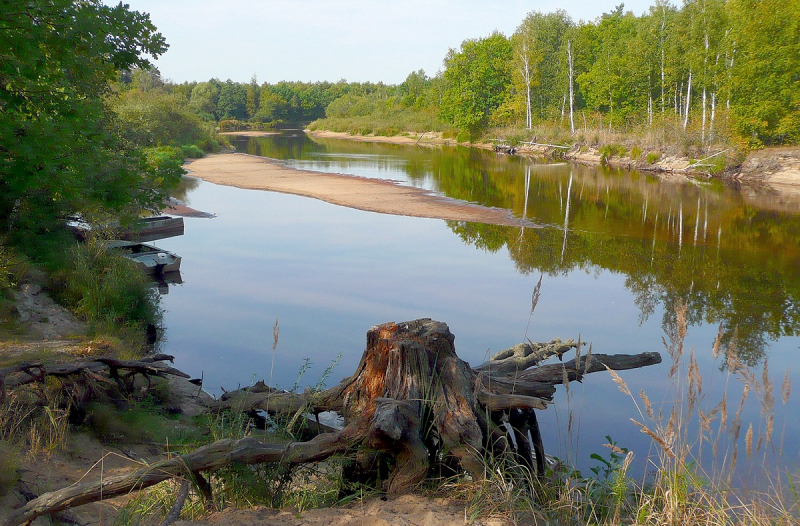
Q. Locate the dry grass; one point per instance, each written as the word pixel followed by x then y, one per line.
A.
pixel 701 448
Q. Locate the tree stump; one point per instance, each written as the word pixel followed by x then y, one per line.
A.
pixel 412 405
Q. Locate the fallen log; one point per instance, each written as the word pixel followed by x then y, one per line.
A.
pixel 554 374
pixel 411 400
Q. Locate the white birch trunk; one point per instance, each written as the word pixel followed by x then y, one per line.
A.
pixel 571 92
pixel 703 132
pixel 688 102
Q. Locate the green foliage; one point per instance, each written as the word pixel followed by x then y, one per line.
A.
pixel 191 151
pixel 477 81
pixel 105 288
pixel 232 103
pixel 154 118
pixel 133 421
pixel 653 157
pixel 544 36
pixel 12 267
pixel 636 152
pixel 204 98
pixel 764 83
pixel 611 150
pixel 608 466
pixel 61 152
pixel 9 466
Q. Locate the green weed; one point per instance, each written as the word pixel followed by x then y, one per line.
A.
pixel 106 289
pixel 9 466
pixel 653 157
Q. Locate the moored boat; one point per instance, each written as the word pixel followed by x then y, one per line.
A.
pixel 154 260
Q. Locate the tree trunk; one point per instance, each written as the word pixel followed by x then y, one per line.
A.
pixel 688 101
pixel 571 89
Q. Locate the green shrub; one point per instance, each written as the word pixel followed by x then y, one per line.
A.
pixel 463 136
pixel 611 150
pixel 653 157
pixel 12 267
pixel 9 465
pixel 229 125
pixel 105 288
pixel 192 151
pixel 636 152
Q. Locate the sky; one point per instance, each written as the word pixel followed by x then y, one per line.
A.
pixel 317 40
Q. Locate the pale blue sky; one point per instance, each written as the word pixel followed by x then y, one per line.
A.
pixel 311 40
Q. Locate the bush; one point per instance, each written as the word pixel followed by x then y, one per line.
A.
pixel 610 150
pixel 9 464
pixel 229 125
pixel 105 288
pixel 12 267
pixel 636 152
pixel 192 151
pixel 653 157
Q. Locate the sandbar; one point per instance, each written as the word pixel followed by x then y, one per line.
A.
pixel 372 195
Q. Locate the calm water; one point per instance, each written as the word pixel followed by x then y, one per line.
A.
pixel 617 250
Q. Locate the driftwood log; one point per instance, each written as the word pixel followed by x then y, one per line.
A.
pixel 412 404
pixel 103 369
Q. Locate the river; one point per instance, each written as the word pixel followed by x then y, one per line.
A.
pixel 618 250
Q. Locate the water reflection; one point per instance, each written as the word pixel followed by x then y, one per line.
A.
pixel 732 262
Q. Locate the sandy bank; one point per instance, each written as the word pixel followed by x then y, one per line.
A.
pixel 412 138
pixel 251 133
pixel 589 156
pixel 778 168
pixel 373 195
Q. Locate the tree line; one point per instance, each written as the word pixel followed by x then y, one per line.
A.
pixel 719 69
pixel 692 66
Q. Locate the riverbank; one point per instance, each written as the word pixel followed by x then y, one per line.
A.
pixel 371 195
pixel 777 168
pixel 250 133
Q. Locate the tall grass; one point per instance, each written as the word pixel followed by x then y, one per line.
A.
pixel 109 291
pixel 703 449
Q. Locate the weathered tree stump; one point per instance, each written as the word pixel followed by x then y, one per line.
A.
pixel 411 401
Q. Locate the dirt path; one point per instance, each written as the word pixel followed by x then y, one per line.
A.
pixel 373 195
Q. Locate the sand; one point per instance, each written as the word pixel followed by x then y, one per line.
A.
pixel 373 195
pixel 251 133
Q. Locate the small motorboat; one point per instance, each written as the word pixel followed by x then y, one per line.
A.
pixel 154 260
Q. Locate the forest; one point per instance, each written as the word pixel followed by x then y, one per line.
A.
pixel 717 70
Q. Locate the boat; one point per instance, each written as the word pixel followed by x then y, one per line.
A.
pixel 154 260
pixel 143 229
pixel 156 227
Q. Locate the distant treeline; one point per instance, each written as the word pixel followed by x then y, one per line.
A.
pixel 231 102
pixel 718 69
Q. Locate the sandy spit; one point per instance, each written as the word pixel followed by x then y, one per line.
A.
pixel 373 195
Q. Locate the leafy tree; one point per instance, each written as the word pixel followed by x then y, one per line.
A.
pixel 478 80
pixel 413 88
pixel 765 81
pixel 252 97
pixel 157 118
pixel 232 101
pixel 204 99
pixel 617 80
pixel 146 79
pixel 60 149
pixel 550 33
